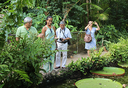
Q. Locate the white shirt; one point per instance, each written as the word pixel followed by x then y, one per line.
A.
pixel 60 33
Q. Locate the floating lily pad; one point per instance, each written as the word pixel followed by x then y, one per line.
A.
pixel 109 71
pixel 97 83
pixel 125 65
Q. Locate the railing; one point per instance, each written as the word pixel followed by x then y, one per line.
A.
pixel 80 39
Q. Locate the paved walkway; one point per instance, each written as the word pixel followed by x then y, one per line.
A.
pixel 75 57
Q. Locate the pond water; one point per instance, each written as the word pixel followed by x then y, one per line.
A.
pixel 69 83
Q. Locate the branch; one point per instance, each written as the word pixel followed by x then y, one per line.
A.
pixel 68 11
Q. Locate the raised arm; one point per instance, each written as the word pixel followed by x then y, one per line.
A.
pixel 98 28
pixel 86 27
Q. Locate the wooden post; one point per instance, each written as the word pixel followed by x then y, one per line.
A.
pixel 77 43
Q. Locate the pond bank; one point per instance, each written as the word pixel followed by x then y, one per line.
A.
pixel 68 81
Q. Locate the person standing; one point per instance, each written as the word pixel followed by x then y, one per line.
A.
pixel 26 30
pixel 91 30
pixel 62 34
pixel 48 31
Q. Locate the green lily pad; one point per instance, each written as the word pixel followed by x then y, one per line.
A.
pixel 109 71
pixel 123 65
pixel 97 83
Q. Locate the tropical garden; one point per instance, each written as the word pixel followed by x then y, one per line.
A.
pixel 20 62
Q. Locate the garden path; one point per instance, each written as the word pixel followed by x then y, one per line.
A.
pixel 75 57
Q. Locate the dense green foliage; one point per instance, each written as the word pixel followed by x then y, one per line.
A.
pixel 78 12
pixel 21 62
pixel 117 53
pixel 75 13
pixel 118 14
pixel 119 50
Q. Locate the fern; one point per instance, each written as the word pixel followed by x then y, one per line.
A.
pixel 23 75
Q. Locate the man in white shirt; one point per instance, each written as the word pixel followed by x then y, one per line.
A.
pixel 63 34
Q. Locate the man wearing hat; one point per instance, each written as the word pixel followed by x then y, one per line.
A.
pixel 63 34
pixel 27 30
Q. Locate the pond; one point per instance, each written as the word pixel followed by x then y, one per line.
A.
pixel 69 83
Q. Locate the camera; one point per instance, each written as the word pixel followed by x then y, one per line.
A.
pixel 61 39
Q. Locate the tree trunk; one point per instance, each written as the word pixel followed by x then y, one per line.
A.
pixel 87 1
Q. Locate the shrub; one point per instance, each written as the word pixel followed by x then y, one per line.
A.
pixel 119 50
pixel 20 62
pixel 108 33
pixel 95 62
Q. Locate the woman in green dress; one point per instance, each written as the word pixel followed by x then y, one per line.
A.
pixel 48 31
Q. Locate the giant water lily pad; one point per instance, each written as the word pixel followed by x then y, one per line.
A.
pixel 109 71
pixel 125 65
pixel 97 83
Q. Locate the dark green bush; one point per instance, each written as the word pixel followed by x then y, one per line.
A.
pixel 20 62
pixel 119 51
pixel 109 34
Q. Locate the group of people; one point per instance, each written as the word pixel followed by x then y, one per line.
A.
pixel 61 35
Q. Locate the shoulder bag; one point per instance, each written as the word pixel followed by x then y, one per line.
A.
pixel 88 38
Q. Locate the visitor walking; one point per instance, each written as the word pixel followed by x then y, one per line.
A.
pixel 27 30
pixel 48 31
pixel 63 34
pixel 91 30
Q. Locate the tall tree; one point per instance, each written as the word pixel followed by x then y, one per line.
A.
pixel 87 8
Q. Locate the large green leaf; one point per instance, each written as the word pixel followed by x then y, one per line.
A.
pixel 123 64
pixel 109 71
pixel 1 86
pixel 97 83
pixel 95 6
